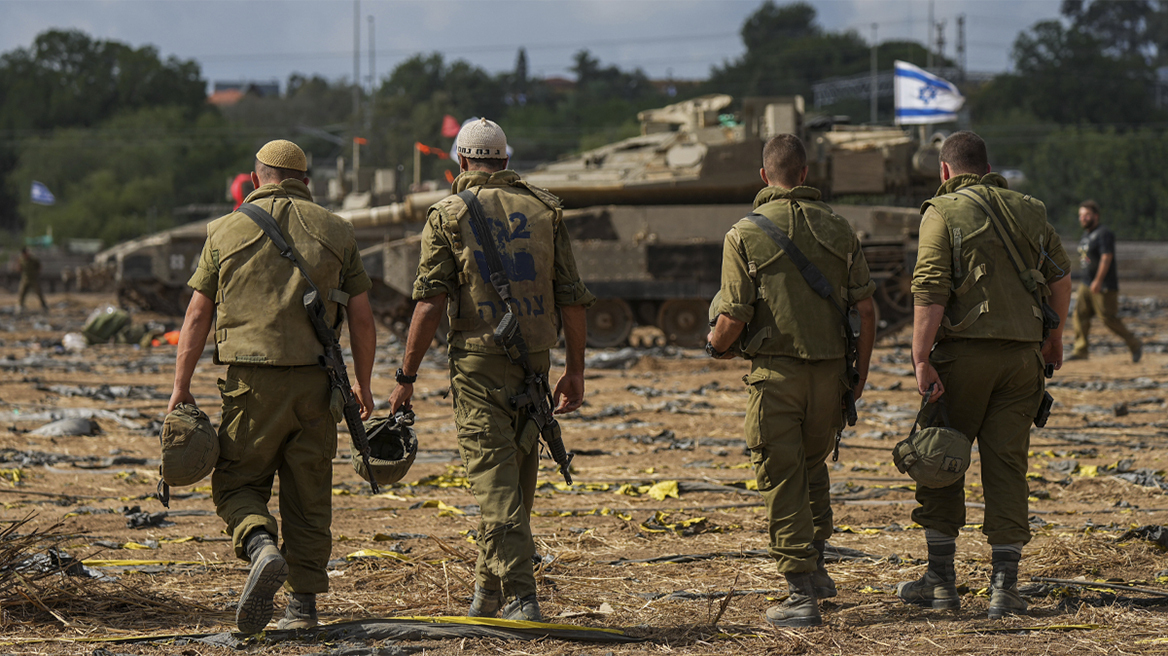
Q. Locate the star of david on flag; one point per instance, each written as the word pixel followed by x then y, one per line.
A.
pixel 40 194
pixel 922 97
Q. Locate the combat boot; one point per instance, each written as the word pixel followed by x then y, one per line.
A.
pixel 801 608
pixel 525 609
pixel 485 602
pixel 820 579
pixel 300 613
pixel 938 587
pixel 269 570
pixel 1004 597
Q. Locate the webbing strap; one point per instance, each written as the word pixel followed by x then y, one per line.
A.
pixel 478 220
pixel 1007 239
pixel 809 271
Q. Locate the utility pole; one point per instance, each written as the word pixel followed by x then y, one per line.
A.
pixel 961 47
pixel 356 88
pixel 940 38
pixel 929 39
pixel 872 84
pixel 372 82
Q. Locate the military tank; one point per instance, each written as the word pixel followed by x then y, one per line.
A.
pixel 647 214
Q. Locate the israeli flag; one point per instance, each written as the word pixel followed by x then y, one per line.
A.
pixel 922 97
pixel 41 195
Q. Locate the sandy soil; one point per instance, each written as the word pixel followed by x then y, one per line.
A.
pixel 672 416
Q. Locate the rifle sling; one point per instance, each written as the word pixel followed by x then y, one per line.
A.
pixel 809 271
pixel 1004 235
pixel 478 220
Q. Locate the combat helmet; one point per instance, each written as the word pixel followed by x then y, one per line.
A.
pixel 190 446
pixel 934 456
pixel 393 445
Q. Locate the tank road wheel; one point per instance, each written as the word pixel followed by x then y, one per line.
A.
pixel 895 293
pixel 685 322
pixel 610 321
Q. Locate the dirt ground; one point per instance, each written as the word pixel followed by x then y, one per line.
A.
pixel 660 471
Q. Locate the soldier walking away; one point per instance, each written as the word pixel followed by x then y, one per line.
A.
pixel 1098 293
pixel 980 340
pixel 809 355
pixel 30 278
pixel 279 414
pixel 495 386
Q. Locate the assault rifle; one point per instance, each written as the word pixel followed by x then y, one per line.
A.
pixel 333 360
pixel 537 397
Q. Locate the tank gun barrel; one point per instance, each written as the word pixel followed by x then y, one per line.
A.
pixel 412 209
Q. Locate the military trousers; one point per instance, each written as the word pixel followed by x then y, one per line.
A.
pixel 499 447
pixel 31 285
pixel 992 391
pixel 1104 305
pixel 792 417
pixel 277 420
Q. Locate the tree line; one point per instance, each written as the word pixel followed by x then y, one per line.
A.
pixel 125 137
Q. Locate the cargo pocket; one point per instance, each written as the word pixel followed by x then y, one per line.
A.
pixel 754 429
pixel 336 405
pixel 233 427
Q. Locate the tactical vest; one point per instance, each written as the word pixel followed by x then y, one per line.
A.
pixel 790 319
pixel 260 315
pixel 989 300
pixel 523 220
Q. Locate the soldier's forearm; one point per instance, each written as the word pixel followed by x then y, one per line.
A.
pixel 192 338
pixel 1060 301
pixel 926 321
pixel 726 330
pixel 574 318
pixel 424 323
pixel 867 336
pixel 362 338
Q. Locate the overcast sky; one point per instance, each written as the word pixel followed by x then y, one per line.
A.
pixel 267 39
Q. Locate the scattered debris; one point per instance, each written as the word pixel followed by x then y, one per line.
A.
pixel 68 427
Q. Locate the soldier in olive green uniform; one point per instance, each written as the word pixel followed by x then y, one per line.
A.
pixel 279 414
pixel 796 342
pixel 498 444
pixel 30 278
pixel 978 340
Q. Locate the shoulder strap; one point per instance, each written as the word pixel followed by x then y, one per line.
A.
pixel 478 219
pixel 809 271
pixel 268 224
pixel 999 228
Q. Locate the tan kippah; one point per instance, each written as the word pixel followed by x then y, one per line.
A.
pixel 482 139
pixel 283 154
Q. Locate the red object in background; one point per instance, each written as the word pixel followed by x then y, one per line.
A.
pixel 360 141
pixel 240 188
pixel 430 150
pixel 449 176
pixel 450 126
pixel 167 338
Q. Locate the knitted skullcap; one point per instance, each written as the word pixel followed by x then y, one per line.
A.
pixel 482 139
pixel 283 154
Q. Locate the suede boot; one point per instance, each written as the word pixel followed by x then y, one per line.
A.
pixel 820 579
pixel 525 609
pixel 268 572
pixel 300 613
pixel 1004 597
pixel 485 602
pixel 801 608
pixel 938 587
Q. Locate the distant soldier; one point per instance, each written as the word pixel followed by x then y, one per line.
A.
pixel 498 442
pixel 797 341
pixel 279 414
pixel 30 278
pixel 978 340
pixel 1099 291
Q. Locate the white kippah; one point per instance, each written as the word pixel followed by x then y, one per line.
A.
pixel 482 139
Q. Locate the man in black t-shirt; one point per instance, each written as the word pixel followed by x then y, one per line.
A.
pixel 1099 290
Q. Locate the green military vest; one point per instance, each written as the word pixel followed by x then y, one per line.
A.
pixel 523 220
pixel 260 315
pixel 790 319
pixel 989 300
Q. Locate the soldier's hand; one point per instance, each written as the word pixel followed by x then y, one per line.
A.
pixel 179 396
pixel 1052 351
pixel 858 391
pixel 928 381
pixel 365 398
pixel 569 393
pixel 399 398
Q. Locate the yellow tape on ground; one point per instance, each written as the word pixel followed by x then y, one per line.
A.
pixel 505 624
pixel 377 553
pixel 142 563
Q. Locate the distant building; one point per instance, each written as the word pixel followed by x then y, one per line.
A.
pixel 224 94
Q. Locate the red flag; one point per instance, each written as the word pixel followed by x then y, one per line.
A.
pixel 449 176
pixel 450 126
pixel 430 150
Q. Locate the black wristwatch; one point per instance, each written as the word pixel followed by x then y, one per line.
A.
pixel 403 379
pixel 714 353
